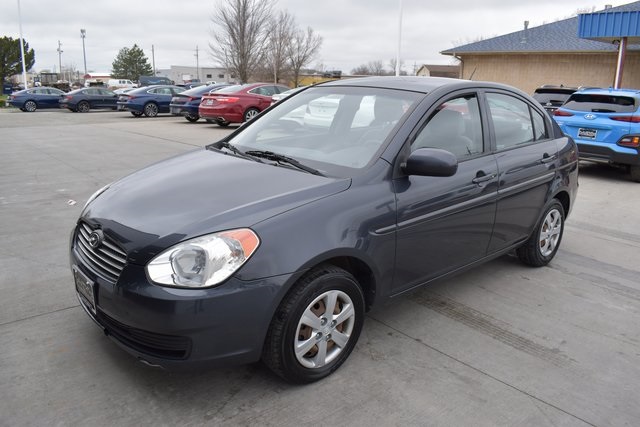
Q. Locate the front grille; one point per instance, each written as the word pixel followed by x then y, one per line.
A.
pixel 107 260
pixel 164 346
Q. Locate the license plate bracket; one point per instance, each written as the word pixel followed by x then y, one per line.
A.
pixel 85 289
pixel 587 133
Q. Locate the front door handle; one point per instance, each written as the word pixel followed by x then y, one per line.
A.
pixel 481 177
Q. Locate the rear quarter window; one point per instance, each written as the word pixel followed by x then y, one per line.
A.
pixel 597 103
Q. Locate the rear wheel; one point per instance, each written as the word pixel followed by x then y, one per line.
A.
pixel 30 106
pixel 545 240
pixel 316 326
pixel 136 113
pixel 634 171
pixel 250 114
pixel 192 117
pixel 83 107
pixel 151 110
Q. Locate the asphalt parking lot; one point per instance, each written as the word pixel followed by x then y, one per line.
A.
pixel 503 344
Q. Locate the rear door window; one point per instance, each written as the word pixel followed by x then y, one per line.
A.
pixel 601 103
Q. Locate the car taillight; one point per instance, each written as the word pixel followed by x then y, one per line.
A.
pixel 191 98
pixel 630 119
pixel 68 98
pixel 632 141
pixel 227 99
pixel 562 113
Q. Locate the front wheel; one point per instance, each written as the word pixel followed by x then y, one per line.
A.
pixel 136 113
pixel 316 326
pixel 543 244
pixel 151 110
pixel 250 114
pixel 192 118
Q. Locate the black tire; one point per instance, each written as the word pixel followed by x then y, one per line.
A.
pixel 83 107
pixel 330 339
pixel 151 109
pixel 222 123
pixel 30 106
pixel 634 171
pixel 192 118
pixel 136 114
pixel 545 240
pixel 250 114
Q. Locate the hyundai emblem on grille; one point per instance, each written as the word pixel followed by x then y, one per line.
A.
pixel 95 238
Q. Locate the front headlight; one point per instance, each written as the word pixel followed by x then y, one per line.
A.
pixel 204 261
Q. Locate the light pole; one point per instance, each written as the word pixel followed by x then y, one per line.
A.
pixel 24 67
pixel 197 64
pixel 60 56
pixel 83 34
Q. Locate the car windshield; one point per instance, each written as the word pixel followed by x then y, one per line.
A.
pixel 601 103
pixel 553 97
pixel 335 130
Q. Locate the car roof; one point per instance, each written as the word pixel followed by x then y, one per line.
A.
pixel 415 83
pixel 610 91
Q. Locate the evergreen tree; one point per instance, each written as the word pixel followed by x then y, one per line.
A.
pixel 10 57
pixel 131 64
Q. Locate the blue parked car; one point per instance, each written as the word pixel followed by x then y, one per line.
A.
pixel 38 97
pixel 606 125
pixel 149 100
pixel 187 103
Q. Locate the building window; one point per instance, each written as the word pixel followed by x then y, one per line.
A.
pixel 208 76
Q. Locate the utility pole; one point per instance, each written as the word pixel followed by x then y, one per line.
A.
pixel 60 56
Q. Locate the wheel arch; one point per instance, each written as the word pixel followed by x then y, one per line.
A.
pixel 360 270
pixel 565 200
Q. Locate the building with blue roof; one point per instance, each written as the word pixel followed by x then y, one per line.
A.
pixel 550 54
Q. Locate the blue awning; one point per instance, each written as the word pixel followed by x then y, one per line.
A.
pixel 610 26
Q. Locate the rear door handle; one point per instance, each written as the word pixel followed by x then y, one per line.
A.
pixel 547 158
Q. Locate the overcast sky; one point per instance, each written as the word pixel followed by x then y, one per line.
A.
pixel 354 31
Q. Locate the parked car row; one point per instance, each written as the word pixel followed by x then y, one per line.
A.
pixel 220 103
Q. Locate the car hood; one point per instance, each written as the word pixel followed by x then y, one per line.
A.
pixel 197 193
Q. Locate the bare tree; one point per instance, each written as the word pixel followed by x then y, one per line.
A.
pixel 303 48
pixel 392 65
pixel 241 35
pixel 281 33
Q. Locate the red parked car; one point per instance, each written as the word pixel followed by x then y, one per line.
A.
pixel 238 103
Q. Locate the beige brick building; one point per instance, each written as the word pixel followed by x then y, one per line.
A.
pixel 549 54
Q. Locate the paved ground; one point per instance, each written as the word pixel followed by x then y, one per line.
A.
pixel 500 345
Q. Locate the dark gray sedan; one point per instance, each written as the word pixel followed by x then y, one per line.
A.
pixel 83 100
pixel 273 242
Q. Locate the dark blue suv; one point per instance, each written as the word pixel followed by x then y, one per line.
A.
pixel 605 123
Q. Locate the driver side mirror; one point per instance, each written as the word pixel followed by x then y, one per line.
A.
pixel 431 162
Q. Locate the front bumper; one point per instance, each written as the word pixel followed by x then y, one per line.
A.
pixel 607 153
pixel 179 328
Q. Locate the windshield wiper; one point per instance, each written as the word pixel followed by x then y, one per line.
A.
pixel 224 144
pixel 270 155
